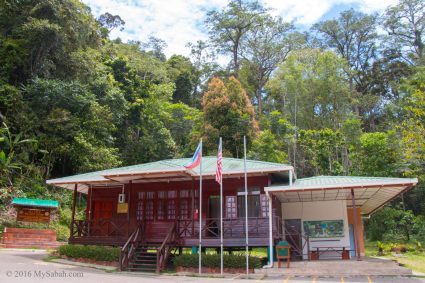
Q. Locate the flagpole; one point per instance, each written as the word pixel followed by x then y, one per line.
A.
pixel 246 205
pixel 221 214
pixel 200 214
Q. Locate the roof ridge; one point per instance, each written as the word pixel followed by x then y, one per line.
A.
pixel 167 162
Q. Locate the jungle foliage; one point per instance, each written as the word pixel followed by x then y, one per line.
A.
pixel 345 98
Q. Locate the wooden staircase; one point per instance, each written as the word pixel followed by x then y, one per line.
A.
pixel 144 259
pixel 139 255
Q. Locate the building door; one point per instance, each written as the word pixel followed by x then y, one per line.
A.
pixel 213 220
pixel 102 215
pixel 352 242
pixel 293 236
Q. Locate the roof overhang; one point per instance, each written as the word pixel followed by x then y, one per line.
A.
pixel 151 176
pixel 369 197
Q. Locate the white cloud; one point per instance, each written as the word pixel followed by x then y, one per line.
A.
pixel 308 12
pixel 181 21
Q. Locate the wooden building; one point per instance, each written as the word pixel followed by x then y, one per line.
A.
pixel 156 206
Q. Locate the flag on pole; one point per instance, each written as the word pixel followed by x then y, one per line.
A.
pixel 219 179
pixel 196 159
pixel 246 205
pixel 218 172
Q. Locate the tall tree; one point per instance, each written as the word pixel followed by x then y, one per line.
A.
pixel 228 26
pixel 182 73
pixel 413 125
pixel 203 59
pixel 311 88
pixel 353 36
pixel 228 113
pixel 405 23
pixel 111 22
pixel 264 47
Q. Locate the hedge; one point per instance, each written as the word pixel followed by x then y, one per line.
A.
pixel 99 253
pixel 213 261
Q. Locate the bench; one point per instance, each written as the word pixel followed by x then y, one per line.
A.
pixel 343 251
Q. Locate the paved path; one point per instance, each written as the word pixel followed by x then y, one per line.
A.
pixel 28 266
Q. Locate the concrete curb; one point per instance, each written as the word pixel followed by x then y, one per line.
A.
pixel 82 264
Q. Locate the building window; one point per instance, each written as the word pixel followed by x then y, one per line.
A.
pixel 140 206
pixel 254 204
pixel 264 206
pixel 184 209
pixel 160 215
pixel 171 209
pixel 139 213
pixel 149 210
pixel 231 209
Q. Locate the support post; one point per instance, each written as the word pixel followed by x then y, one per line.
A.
pixel 271 262
pixel 130 221
pixel 356 234
pixel 90 192
pixel 74 200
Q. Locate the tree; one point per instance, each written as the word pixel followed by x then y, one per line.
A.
pixel 413 124
pixel 203 59
pixel 267 147
pixel 405 23
pixel 156 47
pixel 39 38
pixel 378 155
pixel 228 113
pixel 263 48
pixel 319 152
pixel 182 73
pixel 311 88
pixel 111 22
pixel 228 27
pixel 354 37
pixel 181 120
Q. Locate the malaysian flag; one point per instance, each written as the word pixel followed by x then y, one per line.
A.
pixel 218 172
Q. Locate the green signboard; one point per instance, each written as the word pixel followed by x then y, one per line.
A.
pixel 324 228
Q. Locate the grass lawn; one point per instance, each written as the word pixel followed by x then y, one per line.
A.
pixel 412 260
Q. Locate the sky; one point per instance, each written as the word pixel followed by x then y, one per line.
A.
pixel 181 21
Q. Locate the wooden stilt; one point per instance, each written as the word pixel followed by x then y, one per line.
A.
pixel 356 234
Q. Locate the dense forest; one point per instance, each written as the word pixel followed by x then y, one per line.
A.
pixel 346 97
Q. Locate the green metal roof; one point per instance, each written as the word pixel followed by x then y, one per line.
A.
pixel 370 193
pixel 230 165
pixel 35 202
pixel 344 181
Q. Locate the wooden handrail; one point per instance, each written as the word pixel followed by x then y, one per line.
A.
pixel 99 227
pixel 232 227
pixel 130 246
pixel 164 250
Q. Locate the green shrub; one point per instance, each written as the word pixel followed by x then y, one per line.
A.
pixel 99 253
pixel 213 261
pixel 62 231
pixel 381 247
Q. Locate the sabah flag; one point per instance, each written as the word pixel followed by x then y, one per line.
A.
pixel 196 159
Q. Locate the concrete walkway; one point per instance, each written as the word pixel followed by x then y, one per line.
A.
pixel 23 266
pixel 367 266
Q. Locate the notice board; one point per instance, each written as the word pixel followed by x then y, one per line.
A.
pixel 33 215
pixel 324 228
